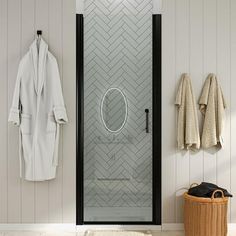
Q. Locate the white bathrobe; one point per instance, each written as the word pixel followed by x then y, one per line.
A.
pixel 38 108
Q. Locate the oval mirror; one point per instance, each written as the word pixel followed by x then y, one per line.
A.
pixel 114 110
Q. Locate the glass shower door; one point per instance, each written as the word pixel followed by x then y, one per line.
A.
pixel 118 111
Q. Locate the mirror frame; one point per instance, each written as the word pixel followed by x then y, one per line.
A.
pixel 126 110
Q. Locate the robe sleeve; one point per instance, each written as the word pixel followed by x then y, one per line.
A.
pixel 59 107
pixel 14 115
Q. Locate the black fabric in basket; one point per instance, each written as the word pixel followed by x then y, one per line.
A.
pixel 206 190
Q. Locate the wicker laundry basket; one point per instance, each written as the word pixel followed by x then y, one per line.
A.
pixel 205 216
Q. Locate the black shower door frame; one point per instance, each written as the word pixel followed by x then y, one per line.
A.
pixel 156 122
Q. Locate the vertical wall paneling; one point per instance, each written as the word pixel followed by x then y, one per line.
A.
pixel 209 61
pixel 196 73
pixel 55 42
pixel 24 201
pixel 182 66
pixel 204 41
pixel 223 72
pixel 69 88
pixel 27 36
pixel 168 113
pixel 233 106
pixel 42 188
pixel 4 109
pixel 14 53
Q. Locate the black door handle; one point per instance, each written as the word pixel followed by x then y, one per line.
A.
pixel 147 120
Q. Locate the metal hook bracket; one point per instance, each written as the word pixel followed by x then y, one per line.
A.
pixel 39 32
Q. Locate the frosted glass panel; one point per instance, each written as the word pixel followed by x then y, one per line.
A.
pixel 118 166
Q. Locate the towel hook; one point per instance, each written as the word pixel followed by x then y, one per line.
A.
pixel 39 32
pixel 39 36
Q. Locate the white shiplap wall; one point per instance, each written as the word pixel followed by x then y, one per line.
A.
pixel 50 201
pixel 199 37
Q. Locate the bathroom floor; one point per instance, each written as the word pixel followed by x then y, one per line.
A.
pixel 57 233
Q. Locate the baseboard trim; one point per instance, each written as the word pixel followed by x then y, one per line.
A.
pixel 73 227
pixel 232 227
pixel 38 227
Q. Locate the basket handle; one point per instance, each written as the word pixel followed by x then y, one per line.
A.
pixel 193 184
pixel 216 191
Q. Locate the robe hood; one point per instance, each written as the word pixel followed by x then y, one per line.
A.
pixel 39 51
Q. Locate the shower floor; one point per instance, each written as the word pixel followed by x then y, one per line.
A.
pixel 118 214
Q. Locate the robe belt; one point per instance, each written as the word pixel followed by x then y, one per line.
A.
pixel 20 153
pixel 55 153
pixel 35 136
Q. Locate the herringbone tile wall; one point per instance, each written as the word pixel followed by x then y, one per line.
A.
pixel 118 53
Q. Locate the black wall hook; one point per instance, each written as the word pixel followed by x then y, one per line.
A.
pixel 39 32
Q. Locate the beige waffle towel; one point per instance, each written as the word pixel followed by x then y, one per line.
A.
pixel 187 123
pixel 212 106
